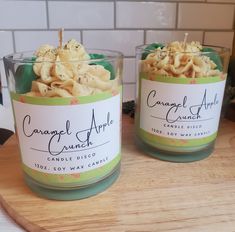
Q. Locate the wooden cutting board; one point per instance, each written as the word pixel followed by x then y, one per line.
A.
pixel 150 195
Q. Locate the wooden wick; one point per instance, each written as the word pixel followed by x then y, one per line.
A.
pixel 61 31
pixel 185 40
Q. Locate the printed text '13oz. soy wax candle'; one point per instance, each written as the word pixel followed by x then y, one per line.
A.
pixel 67 108
pixel 179 97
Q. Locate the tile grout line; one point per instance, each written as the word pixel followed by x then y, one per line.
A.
pixel 115 14
pixel 123 29
pixel 129 83
pixel 176 15
pixel 82 36
pixel 145 36
pixel 233 48
pixel 160 1
pixel 13 41
pixel 203 37
pixel 163 1
pixel 47 15
pixel 234 17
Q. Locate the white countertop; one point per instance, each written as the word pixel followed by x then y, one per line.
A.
pixel 7 224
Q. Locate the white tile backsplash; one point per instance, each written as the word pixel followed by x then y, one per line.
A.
pixel 70 14
pixel 124 41
pixel 168 36
pixel 128 92
pixel 23 14
pixel 31 40
pixel 146 15
pixel 129 70
pixel 224 39
pixel 6 43
pixel 114 24
pixel 205 16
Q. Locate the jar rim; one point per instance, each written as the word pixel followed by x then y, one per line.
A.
pixel 26 57
pixel 217 49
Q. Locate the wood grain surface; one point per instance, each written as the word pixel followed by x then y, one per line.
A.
pixel 150 195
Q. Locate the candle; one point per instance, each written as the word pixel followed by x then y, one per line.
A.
pixel 179 98
pixel 70 149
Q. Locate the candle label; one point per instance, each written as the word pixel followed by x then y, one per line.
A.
pixel 180 111
pixel 69 140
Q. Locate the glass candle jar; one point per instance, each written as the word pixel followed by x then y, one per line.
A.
pixel 178 101
pixel 70 144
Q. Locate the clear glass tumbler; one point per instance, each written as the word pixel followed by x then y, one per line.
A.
pixel 70 145
pixel 178 101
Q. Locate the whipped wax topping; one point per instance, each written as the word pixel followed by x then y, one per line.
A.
pixel 180 59
pixel 67 71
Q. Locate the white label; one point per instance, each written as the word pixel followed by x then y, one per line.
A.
pixel 180 111
pixel 68 139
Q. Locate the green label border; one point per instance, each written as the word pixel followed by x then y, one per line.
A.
pixel 182 80
pixel 56 101
pixel 153 140
pixel 82 178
